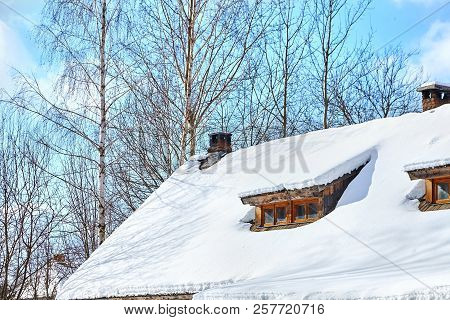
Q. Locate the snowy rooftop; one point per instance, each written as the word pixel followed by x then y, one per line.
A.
pixel 334 173
pixel 189 235
pixel 435 154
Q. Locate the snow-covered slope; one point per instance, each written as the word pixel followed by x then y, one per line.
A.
pixel 189 237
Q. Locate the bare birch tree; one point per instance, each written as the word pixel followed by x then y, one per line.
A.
pixel 82 38
pixel 334 21
pixel 285 49
pixel 29 213
pixel 201 46
pixel 382 85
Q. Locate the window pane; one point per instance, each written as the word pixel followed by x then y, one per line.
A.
pixel 281 214
pixel 268 216
pixel 442 191
pixel 312 210
pixel 300 212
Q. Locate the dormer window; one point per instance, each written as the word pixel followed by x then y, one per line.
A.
pixel 437 186
pixel 306 210
pixel 296 207
pixel 289 212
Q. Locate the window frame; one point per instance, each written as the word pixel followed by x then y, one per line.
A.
pixel 305 203
pixel 284 204
pixel 274 206
pixel 263 216
pixel 435 190
pixel 290 213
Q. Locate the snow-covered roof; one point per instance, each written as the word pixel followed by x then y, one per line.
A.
pixel 427 164
pixel 436 153
pixel 334 173
pixel 189 236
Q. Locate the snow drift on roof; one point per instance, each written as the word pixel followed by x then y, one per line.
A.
pixel 334 173
pixel 189 235
pixel 435 153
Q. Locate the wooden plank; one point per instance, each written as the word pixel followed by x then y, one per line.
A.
pixel 258 214
pixel 429 190
pixel 430 173
pixel 310 192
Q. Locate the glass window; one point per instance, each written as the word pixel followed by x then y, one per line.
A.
pixel 268 216
pixel 442 191
pixel 312 210
pixel 299 212
pixel 281 214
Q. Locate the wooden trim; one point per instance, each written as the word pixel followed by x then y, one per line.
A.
pixel 284 204
pixel 263 215
pixel 430 173
pixel 258 216
pixel 308 192
pixel 273 207
pixel 290 216
pixel 429 190
pixel 426 206
pixel 306 202
pixel 175 296
pixel 435 190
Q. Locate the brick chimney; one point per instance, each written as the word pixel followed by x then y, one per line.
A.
pixel 220 142
pixel 219 146
pixel 434 95
pixel 59 258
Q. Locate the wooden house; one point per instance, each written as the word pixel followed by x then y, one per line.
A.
pixel 193 234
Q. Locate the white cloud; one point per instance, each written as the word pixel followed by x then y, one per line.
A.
pixel 12 54
pixel 435 51
pixel 15 52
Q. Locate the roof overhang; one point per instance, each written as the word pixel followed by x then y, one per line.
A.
pixel 433 86
pixel 429 173
pixel 285 194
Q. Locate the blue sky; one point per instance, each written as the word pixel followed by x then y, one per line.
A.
pixel 388 19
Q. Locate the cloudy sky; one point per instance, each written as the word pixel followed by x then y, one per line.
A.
pixel 387 18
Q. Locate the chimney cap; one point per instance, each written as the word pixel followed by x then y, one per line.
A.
pixel 434 86
pixel 220 133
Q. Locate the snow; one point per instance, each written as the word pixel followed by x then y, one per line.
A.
pixel 336 172
pixel 417 191
pixel 435 153
pixel 434 83
pixel 191 234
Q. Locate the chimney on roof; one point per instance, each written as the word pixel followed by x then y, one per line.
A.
pixel 219 146
pixel 59 258
pixel 434 95
pixel 220 142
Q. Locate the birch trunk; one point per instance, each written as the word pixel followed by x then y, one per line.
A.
pixel 102 137
pixel 189 126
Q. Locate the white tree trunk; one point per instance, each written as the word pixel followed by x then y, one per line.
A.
pixel 102 137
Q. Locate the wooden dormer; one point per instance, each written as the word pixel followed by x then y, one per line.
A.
pixel 437 187
pixel 285 209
